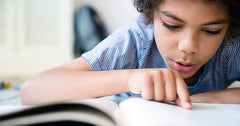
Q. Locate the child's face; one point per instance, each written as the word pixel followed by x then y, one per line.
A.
pixel 188 33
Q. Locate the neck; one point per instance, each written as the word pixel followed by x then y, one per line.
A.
pixel 191 81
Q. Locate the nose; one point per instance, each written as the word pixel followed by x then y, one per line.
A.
pixel 189 43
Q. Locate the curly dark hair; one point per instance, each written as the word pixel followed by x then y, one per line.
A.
pixel 147 7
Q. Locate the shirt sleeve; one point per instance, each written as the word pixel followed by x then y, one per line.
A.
pixel 126 48
pixel 117 51
pixel 233 59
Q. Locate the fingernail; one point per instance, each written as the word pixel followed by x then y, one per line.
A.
pixel 187 106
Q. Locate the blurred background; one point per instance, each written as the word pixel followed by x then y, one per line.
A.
pixel 36 35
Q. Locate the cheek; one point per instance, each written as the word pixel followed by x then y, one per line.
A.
pixel 161 42
pixel 209 48
pixel 162 38
pixel 165 41
pixel 211 44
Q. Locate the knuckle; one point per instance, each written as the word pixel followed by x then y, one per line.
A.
pixel 176 73
pixel 147 83
pixel 171 98
pixel 158 98
pixel 146 78
pixel 169 72
pixel 147 96
pixel 157 73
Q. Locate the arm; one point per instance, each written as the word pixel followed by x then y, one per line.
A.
pixel 76 80
pixel 227 96
pixel 73 80
pixel 232 63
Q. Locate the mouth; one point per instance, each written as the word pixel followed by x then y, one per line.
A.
pixel 183 66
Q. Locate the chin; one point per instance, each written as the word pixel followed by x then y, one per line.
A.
pixel 186 75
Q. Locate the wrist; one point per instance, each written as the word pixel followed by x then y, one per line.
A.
pixel 128 74
pixel 134 81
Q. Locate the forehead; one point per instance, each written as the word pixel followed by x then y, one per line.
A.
pixel 198 9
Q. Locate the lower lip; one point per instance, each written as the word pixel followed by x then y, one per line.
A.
pixel 182 68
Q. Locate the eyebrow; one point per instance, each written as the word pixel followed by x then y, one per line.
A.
pixel 169 14
pixel 221 21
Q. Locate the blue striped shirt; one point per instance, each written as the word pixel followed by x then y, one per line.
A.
pixel 133 47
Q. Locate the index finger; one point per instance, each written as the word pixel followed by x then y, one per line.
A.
pixel 182 92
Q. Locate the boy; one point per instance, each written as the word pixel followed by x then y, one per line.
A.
pixel 177 49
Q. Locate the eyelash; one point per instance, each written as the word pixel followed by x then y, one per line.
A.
pixel 212 32
pixel 171 27
pixel 175 27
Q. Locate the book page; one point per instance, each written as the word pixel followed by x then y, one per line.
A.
pixel 139 112
pixel 94 111
pixel 10 109
pixel 106 105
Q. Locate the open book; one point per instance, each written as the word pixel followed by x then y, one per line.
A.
pixel 134 111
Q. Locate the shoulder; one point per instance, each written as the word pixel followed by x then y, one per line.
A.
pixel 232 58
pixel 141 28
pixel 232 49
pixel 136 31
pixel 136 34
pixel 122 48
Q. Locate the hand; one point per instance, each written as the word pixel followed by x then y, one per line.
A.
pixel 160 85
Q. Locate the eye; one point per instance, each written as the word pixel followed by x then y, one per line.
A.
pixel 171 27
pixel 212 32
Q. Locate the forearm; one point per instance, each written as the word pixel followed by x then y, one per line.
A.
pixel 65 84
pixel 227 96
pixel 231 96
